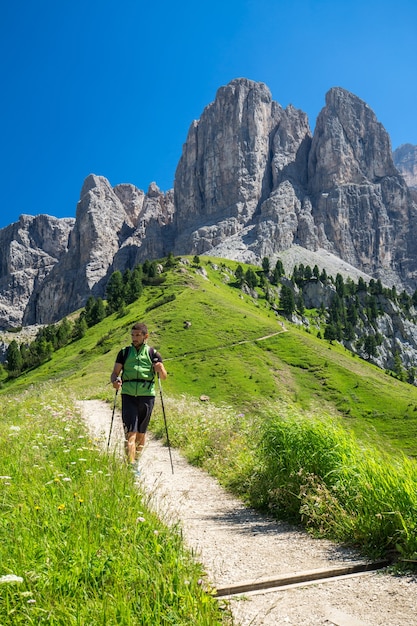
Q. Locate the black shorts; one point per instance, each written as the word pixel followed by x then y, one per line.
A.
pixel 136 412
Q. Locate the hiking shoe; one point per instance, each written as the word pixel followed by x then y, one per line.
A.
pixel 135 469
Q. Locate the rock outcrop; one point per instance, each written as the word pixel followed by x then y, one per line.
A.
pixel 29 250
pixel 362 208
pixel 405 160
pixel 109 223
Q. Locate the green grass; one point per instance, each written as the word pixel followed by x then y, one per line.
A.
pixel 77 533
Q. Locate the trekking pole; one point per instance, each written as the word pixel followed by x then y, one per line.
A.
pixel 112 418
pixel 165 422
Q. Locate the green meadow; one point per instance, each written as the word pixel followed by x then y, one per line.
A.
pixel 294 425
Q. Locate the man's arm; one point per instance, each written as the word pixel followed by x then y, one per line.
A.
pixel 115 376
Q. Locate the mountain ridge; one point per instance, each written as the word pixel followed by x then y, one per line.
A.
pixel 252 182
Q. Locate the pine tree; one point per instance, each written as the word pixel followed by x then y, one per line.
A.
pixel 251 278
pixel 239 275
pixel 14 358
pixel 115 292
pixel 286 300
pixel 369 345
pixel 265 265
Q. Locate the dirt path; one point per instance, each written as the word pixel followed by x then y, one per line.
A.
pixel 237 545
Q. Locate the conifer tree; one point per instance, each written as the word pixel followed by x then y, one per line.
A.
pixel 265 265
pixel 14 358
pixel 286 300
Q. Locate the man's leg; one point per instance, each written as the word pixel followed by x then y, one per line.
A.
pixel 139 444
pixel 131 447
pixel 145 407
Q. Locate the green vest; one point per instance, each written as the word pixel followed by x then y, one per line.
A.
pixel 138 374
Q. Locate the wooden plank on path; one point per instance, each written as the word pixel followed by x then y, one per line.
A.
pixel 300 577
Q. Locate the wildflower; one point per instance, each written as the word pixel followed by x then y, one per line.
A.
pixel 10 578
pixel 5 477
pixel 140 519
pixel 15 428
pixel 67 479
pixel 156 532
pixel 61 507
pixel 37 508
pixel 80 501
pixel 32 601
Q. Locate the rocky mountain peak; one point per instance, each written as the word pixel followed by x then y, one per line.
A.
pixel 252 181
pixel 349 146
pixel 223 170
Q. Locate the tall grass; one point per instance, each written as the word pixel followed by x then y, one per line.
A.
pixel 314 471
pixel 77 544
pixel 304 469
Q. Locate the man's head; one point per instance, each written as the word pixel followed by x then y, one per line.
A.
pixel 139 334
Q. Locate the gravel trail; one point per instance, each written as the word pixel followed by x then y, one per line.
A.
pixel 238 545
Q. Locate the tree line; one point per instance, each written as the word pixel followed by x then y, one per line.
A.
pixel 353 304
pixel 121 290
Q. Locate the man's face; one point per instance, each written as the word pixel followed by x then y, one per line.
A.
pixel 138 337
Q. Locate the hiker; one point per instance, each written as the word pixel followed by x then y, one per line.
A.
pixel 134 372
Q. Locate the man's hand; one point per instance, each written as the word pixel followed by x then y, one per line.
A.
pixel 117 383
pixel 159 368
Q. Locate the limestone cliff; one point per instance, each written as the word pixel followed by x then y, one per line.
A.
pixel 405 159
pixel 252 181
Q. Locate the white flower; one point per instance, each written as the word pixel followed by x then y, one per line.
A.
pixel 15 428
pixel 66 479
pixel 5 478
pixel 10 578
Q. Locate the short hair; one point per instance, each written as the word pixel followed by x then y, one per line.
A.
pixel 141 327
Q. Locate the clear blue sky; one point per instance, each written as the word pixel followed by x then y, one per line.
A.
pixel 111 87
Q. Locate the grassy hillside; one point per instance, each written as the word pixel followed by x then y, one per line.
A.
pixel 294 425
pixel 238 351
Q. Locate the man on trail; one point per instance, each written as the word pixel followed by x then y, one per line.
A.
pixel 134 371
